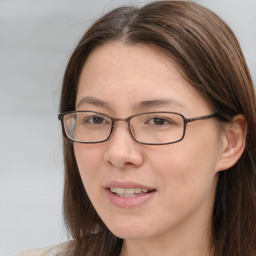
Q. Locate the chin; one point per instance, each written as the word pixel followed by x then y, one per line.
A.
pixel 133 235
pixel 130 231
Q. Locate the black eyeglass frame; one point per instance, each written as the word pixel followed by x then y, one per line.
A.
pixel 127 120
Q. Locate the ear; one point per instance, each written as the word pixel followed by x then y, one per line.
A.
pixel 233 140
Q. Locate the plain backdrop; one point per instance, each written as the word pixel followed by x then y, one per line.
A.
pixel 36 40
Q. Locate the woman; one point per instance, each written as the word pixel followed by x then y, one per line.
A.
pixel 158 112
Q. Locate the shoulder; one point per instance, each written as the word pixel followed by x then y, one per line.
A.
pixel 55 250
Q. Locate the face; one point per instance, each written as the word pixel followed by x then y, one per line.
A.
pixel 178 179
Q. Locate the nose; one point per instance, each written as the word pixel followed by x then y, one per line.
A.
pixel 122 150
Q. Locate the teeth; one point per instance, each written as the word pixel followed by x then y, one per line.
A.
pixel 137 190
pixel 120 191
pixel 128 191
pixel 114 190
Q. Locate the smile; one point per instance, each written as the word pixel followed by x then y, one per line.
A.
pixel 128 195
pixel 129 192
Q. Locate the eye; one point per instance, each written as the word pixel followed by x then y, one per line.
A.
pixel 159 121
pixel 95 120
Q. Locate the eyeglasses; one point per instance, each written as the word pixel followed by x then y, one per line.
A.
pixel 152 128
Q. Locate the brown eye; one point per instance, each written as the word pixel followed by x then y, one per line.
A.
pixel 95 120
pixel 159 121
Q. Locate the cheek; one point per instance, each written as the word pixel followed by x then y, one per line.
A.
pixel 186 169
pixel 88 159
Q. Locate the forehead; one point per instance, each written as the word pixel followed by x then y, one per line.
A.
pixel 125 75
pixel 137 60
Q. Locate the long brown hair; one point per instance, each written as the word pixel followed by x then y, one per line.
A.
pixel 210 59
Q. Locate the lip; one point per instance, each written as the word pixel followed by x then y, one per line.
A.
pixel 128 202
pixel 128 184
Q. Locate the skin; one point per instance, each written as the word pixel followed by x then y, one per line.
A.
pixel 177 219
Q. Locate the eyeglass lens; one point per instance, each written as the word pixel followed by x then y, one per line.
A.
pixel 152 128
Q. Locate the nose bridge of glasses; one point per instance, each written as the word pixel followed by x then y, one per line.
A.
pixel 122 120
pixel 126 120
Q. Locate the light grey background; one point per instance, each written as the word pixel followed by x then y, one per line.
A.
pixel 36 39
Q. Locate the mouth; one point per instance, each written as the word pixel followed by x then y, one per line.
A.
pixel 130 192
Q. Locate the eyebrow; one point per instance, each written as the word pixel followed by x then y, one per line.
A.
pixel 93 101
pixel 158 103
pixel 141 105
